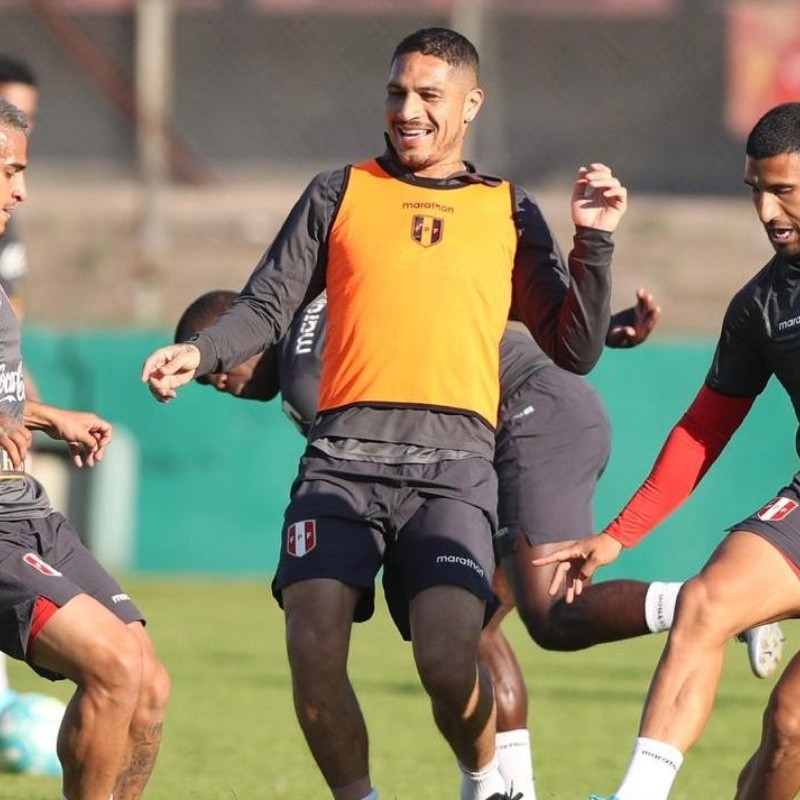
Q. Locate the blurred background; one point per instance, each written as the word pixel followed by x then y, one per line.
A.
pixel 174 136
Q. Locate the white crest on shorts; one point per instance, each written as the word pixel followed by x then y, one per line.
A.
pixel 32 560
pixel 777 509
pixel 301 537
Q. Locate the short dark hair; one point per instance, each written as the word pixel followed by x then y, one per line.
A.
pixel 14 71
pixel 776 133
pixel 443 43
pixel 12 117
pixel 203 311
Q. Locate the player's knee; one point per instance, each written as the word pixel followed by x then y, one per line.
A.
pixel 156 687
pixel 782 722
pixel 447 669
pixel 491 641
pixel 542 627
pixel 549 637
pixel 700 614
pixel 113 665
pixel 308 645
pixel 315 651
pixel 509 695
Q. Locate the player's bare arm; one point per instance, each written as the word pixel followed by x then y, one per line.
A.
pixel 599 200
pixel 578 562
pixel 86 434
pixel 169 368
pixel 15 439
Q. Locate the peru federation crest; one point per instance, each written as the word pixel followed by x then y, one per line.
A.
pixel 427 231
pixel 777 509
pixel 301 537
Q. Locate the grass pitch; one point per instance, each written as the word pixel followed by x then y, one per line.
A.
pixel 231 732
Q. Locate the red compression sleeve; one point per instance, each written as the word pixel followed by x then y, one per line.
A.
pixel 691 448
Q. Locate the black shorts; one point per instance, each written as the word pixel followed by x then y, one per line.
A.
pixel 778 522
pixel 426 524
pixel 45 558
pixel 552 445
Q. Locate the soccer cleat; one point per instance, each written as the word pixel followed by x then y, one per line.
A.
pixel 507 796
pixel 764 648
pixel 597 797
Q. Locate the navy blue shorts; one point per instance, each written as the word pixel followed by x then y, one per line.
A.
pixel 778 522
pixel 45 557
pixel 425 524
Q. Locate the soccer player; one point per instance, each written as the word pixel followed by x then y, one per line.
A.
pixel 18 86
pixel 59 609
pixel 753 575
pixel 422 257
pixel 552 444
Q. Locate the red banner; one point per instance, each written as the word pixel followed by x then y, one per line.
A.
pixel 763 60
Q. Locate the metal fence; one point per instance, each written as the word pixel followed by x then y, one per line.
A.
pixel 263 93
pixel 648 85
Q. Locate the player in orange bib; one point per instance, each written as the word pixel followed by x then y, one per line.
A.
pixel 423 258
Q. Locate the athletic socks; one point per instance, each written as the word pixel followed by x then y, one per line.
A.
pixel 483 784
pixel 515 762
pixel 373 794
pixel 4 686
pixel 659 605
pixel 651 771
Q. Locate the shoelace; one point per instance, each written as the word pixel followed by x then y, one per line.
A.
pixel 509 796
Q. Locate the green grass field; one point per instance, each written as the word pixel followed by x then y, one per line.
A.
pixel 231 732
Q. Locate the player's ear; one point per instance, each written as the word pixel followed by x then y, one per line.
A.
pixel 472 104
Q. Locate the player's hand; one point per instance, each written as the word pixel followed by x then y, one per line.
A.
pixel 86 434
pixel 578 562
pixel 635 322
pixel 598 198
pixel 169 368
pixel 15 440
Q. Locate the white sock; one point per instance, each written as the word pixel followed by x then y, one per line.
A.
pixel 484 783
pixel 659 605
pixel 651 771
pixel 373 794
pixel 4 685
pixel 515 762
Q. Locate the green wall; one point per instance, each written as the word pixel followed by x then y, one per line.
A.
pixel 215 472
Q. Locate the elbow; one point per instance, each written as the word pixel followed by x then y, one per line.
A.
pixel 582 367
pixel 579 366
pixel 575 367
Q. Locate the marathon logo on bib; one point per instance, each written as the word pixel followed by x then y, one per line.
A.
pixel 777 509
pixel 32 560
pixel 301 537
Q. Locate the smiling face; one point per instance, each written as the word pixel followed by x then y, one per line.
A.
pixel 429 105
pixel 13 160
pixel 775 186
